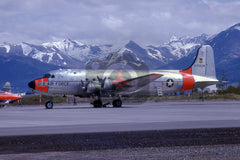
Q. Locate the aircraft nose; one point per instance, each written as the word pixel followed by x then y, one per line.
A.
pixel 32 84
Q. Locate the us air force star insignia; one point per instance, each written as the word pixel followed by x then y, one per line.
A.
pixel 170 83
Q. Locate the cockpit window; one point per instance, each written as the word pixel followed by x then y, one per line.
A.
pixel 47 75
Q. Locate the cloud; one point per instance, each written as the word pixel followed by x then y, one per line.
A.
pixel 145 21
pixel 112 22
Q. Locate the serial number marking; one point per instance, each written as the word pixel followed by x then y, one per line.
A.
pixel 60 83
pixel 200 65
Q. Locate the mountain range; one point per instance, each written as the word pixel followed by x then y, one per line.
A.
pixel 23 62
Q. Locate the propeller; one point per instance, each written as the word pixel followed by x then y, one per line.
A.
pixel 96 86
pixel 101 81
pixel 84 85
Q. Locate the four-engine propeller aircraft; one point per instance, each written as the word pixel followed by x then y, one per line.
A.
pixel 111 83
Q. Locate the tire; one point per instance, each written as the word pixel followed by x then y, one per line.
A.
pixel 49 105
pixel 117 103
pixel 97 104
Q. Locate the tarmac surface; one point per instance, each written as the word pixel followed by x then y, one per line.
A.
pixel 217 152
pixel 83 118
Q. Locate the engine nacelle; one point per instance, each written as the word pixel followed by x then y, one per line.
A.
pixel 93 87
pixel 107 85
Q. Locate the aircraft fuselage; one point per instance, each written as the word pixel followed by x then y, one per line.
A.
pixel 83 83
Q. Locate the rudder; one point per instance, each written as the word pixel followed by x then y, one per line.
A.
pixel 204 64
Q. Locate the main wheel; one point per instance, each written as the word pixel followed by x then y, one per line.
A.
pixel 97 103
pixel 117 103
pixel 49 105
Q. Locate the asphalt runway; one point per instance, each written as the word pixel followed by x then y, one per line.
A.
pixel 83 118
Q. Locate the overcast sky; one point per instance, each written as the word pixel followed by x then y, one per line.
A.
pixel 113 21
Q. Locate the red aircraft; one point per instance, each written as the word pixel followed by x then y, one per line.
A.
pixel 6 97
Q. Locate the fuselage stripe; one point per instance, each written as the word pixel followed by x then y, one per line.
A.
pixel 188 79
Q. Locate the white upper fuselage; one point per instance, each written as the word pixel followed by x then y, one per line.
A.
pixel 76 82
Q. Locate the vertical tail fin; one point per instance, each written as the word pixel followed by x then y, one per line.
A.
pixel 204 64
pixel 7 87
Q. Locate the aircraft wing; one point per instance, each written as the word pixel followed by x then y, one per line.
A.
pixel 134 83
pixel 4 101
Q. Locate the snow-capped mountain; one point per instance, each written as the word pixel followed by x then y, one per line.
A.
pixel 22 62
pixel 70 53
pixel 226 46
pixel 180 47
pixel 65 53
pixel 78 50
pixel 157 56
pixel 176 48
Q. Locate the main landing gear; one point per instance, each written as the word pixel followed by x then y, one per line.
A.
pixel 117 103
pixel 97 103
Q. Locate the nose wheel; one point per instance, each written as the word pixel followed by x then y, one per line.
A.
pixel 49 104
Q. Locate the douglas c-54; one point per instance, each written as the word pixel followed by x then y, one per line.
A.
pixel 112 83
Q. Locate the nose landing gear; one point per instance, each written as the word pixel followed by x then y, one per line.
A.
pixel 49 104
